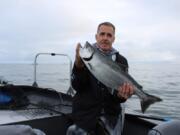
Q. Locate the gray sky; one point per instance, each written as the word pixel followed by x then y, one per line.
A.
pixel 146 30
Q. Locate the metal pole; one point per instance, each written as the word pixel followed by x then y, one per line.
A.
pixel 52 54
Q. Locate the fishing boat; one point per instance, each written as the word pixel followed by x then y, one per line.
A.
pixel 49 110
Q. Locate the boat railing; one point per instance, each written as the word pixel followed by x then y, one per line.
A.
pixel 35 84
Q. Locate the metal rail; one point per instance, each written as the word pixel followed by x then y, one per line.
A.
pixel 52 54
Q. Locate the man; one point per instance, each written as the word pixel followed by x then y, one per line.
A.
pixel 94 108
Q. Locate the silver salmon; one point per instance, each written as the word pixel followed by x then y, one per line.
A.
pixel 111 75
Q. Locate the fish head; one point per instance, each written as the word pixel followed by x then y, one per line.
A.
pixel 86 52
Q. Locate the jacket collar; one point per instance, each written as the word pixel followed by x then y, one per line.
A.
pixel 111 52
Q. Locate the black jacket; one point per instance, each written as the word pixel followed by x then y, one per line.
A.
pixel 92 98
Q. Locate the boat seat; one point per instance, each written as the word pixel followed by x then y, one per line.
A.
pixel 19 130
pixel 167 128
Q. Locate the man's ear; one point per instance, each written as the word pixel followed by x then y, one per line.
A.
pixel 113 39
pixel 96 37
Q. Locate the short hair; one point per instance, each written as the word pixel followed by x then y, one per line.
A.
pixel 107 24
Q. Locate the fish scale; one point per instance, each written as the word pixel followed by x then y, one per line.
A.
pixel 111 75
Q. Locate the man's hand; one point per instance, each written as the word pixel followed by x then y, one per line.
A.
pixel 78 61
pixel 125 91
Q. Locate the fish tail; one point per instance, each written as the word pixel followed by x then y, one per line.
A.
pixel 146 102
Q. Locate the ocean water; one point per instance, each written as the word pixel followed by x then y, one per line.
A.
pixel 160 79
pixel 55 76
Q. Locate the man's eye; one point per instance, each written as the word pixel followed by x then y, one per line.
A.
pixel 102 34
pixel 109 35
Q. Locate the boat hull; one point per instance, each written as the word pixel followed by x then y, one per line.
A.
pixel 51 113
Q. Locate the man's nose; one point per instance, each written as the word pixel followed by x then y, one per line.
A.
pixel 105 37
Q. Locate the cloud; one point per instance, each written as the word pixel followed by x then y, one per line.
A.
pixel 145 29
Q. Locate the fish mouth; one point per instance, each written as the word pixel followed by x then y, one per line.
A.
pixel 88 58
pixel 87 52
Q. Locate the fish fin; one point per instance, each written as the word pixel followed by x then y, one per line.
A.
pixel 146 102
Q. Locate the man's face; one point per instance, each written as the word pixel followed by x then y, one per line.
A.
pixel 105 37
